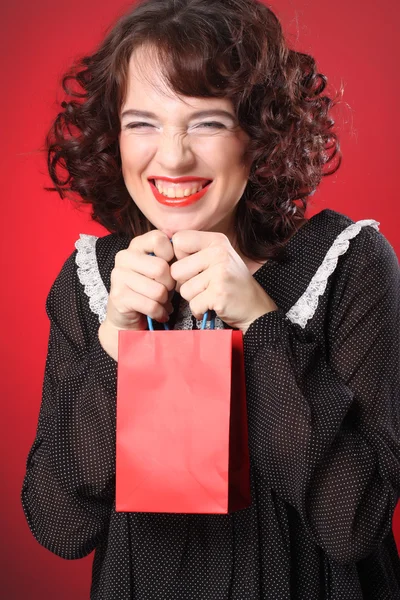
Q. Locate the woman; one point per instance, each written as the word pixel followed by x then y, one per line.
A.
pixel 209 92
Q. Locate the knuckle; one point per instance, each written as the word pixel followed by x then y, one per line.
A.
pixel 219 252
pixel 176 237
pixel 155 239
pixel 132 246
pixel 159 237
pixel 224 238
pixel 115 296
pixel 158 268
pixel 115 276
pixel 156 235
pixel 120 258
pixel 136 243
pixel 155 310
pixel 160 294
pixel 221 240
pixel 173 271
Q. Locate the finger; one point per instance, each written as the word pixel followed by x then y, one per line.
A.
pixel 201 304
pixel 134 302
pixel 186 242
pixel 139 283
pixel 151 267
pixel 156 242
pixel 195 286
pixel 192 265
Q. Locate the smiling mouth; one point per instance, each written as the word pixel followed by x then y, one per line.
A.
pixel 181 190
pixel 190 195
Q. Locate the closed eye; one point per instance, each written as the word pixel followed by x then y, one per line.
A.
pixel 207 124
pixel 214 124
pixel 136 125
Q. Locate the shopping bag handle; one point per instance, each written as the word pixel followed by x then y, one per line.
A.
pixel 203 325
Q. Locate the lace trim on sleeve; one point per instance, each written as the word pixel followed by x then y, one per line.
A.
pixel 89 275
pixel 306 305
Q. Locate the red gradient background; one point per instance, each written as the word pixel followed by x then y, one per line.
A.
pixel 354 43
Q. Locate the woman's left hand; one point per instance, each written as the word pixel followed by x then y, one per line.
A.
pixel 212 276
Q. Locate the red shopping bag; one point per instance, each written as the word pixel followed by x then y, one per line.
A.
pixel 181 439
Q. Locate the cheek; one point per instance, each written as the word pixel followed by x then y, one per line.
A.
pixel 133 154
pixel 223 156
pixel 230 153
pixel 219 146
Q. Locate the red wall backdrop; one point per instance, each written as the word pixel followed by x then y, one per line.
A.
pixel 355 44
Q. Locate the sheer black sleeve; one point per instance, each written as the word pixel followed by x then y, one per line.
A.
pixel 324 420
pixel 68 490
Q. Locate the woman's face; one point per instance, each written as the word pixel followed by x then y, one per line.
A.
pixel 175 142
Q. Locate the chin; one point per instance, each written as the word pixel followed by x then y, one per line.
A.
pixel 168 232
pixel 187 222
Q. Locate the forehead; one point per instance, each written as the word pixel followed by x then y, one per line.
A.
pixel 147 86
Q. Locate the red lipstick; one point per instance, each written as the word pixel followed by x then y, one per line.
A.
pixel 179 202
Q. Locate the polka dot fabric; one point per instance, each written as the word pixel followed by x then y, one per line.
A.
pixel 324 436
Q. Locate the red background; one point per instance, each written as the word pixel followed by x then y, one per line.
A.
pixel 354 43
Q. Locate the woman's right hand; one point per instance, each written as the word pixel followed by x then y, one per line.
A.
pixel 141 286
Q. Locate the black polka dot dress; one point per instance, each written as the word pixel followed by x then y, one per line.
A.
pixel 323 396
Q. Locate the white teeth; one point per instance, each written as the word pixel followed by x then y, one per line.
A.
pixel 174 192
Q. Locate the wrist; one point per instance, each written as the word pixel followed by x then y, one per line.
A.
pixel 266 308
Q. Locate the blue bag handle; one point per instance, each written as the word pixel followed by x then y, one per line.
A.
pixel 203 325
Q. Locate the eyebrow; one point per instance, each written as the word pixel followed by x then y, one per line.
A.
pixel 202 113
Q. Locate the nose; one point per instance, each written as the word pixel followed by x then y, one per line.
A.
pixel 173 152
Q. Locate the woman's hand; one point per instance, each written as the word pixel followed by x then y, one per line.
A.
pixel 141 286
pixel 212 276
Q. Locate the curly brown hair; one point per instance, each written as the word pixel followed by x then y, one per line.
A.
pixel 218 48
